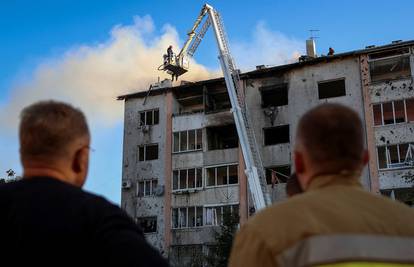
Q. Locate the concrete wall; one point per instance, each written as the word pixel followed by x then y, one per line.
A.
pixel 134 170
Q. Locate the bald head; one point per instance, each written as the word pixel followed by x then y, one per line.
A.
pixel 54 136
pixel 331 136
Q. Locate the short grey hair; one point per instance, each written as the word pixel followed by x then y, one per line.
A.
pixel 47 128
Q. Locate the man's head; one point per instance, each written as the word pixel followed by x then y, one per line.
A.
pixel 54 140
pixel 329 140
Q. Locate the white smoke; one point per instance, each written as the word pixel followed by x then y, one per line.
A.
pixel 266 47
pixel 92 76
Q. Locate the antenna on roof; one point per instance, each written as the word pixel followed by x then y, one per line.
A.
pixel 313 33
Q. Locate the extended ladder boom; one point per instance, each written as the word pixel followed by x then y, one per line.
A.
pixel 254 168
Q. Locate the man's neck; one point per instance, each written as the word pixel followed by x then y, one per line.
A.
pixel 45 172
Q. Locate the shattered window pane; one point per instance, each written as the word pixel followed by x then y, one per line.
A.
pixel 390 68
pixel 211 176
pixel 149 118
pixel 156 116
pixel 191 217
pixel 382 160
pixel 403 151
pixel 233 175
pixel 183 141
pixel 393 154
pixel 199 218
pixel 377 114
pixel 175 180
pixel 183 179
pixel 399 111
pixel 199 139
pixel 148 224
pixel 191 178
pixel 191 140
pixel 388 114
pixel 141 189
pixel 151 152
pixel 409 104
pixel 222 175
pixel 141 153
pixel 176 141
pixel 147 188
pixel 199 177
pixel 175 218
pixel 142 118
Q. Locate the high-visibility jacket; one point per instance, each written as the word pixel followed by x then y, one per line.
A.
pixel 334 223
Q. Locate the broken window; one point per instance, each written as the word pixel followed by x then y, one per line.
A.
pixel 395 156
pixel 190 100
pixel 274 96
pixel 190 140
pixel 222 175
pixel 278 174
pixel 187 179
pixel 328 89
pixel 393 112
pixel 217 99
pixel 390 65
pixel 399 111
pixel 187 217
pixel 222 137
pixel 409 104
pixel 388 113
pixel 148 224
pixel 377 114
pixel 147 187
pixel 276 135
pixel 148 152
pixel 215 214
pixel 149 117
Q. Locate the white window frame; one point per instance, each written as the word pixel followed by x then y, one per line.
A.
pixel 145 152
pixel 393 112
pixel 402 164
pixel 153 117
pixel 187 217
pixel 152 187
pixel 187 141
pixel 186 179
pixel 215 175
pixel 213 208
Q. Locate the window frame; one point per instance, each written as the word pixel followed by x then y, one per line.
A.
pixel 196 141
pixel 406 120
pixel 400 163
pixel 407 54
pixel 329 81
pixel 196 179
pixel 221 206
pixel 153 111
pixel 178 209
pixel 215 175
pixel 153 184
pixel 144 146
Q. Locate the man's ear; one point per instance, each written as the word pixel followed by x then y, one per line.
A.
pixel 299 162
pixel 81 160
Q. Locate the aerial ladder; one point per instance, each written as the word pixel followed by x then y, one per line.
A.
pixel 179 64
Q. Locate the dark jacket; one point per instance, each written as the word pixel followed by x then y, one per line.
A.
pixel 46 222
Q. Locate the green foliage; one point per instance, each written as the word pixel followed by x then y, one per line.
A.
pixel 220 252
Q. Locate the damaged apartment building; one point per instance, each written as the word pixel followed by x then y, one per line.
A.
pixel 182 164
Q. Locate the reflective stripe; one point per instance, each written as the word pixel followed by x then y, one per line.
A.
pixel 333 249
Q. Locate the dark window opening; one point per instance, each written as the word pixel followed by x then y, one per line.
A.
pixel 390 68
pixel 276 135
pixel 217 99
pixel 148 224
pixel 276 95
pixel 222 137
pixel 331 89
pixel 409 104
pixel 377 114
pixel 149 117
pixel 399 111
pixel 148 152
pixel 278 174
pixel 387 112
pixel 190 100
pixel 389 53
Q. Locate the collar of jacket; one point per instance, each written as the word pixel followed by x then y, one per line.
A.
pixel 346 178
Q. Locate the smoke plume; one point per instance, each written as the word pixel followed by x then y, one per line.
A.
pixel 92 76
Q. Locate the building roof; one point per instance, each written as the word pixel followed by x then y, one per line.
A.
pixel 270 70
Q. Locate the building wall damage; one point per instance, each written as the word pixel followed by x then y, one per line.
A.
pixel 182 166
